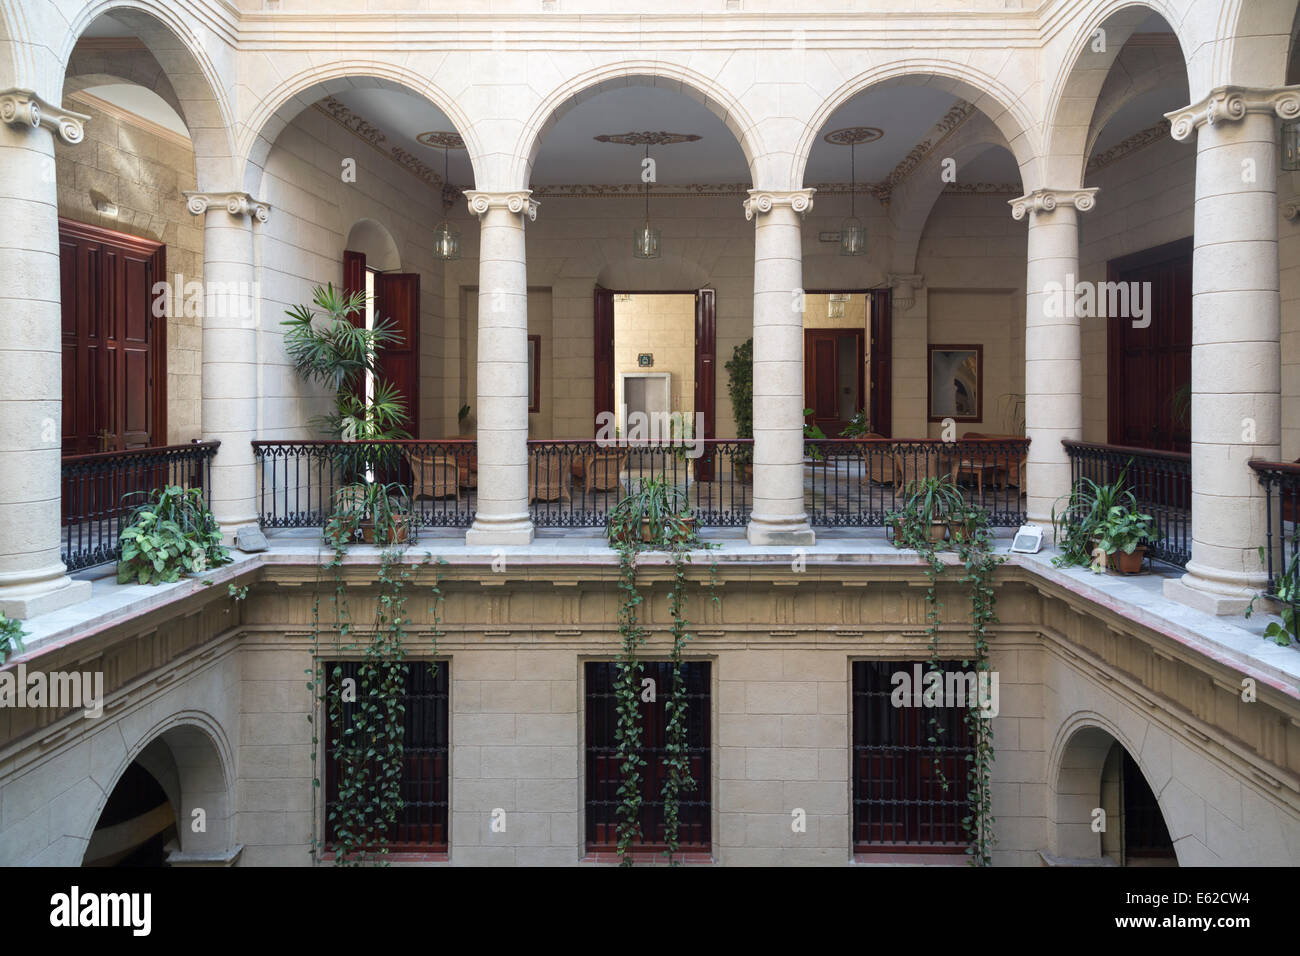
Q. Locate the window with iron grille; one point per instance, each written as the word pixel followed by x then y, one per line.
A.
pixel 603 776
pixel 899 803
pixel 421 824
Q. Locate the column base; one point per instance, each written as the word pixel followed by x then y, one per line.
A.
pixel 780 531
pixel 34 598
pixel 1215 592
pixel 505 529
pixel 202 858
pixel 230 527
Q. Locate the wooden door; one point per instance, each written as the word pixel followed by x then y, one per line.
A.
pixel 397 299
pixel 881 382
pixel 833 366
pixel 706 371
pixel 114 347
pixel 1151 368
pixel 603 349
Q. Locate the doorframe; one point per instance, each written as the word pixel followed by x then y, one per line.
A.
pixel 861 336
pixel 1166 252
pixel 156 250
pixel 878 387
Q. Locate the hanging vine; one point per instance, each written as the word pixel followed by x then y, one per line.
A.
pixel 627 691
pixel 970 529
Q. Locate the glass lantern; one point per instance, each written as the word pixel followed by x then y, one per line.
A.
pixel 1291 146
pixel 446 242
pixel 853 238
pixel 645 242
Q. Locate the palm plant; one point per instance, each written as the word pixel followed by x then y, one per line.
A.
pixel 656 512
pixel 929 504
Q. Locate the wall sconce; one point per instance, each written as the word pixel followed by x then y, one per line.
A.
pixel 1291 146
pixel 103 205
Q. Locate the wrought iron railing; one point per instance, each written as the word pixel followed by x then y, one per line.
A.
pixel 1160 480
pixel 1281 481
pixel 856 482
pixel 100 490
pixel 298 481
pixel 574 484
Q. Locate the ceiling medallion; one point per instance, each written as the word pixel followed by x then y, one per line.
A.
pixel 853 135
pixel 647 138
pixel 441 139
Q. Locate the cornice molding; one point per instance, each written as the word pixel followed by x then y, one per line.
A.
pixel 1233 103
pixel 1046 200
pixel 518 202
pixel 764 200
pixel 373 137
pixel 236 203
pixel 25 108
pixel 1139 140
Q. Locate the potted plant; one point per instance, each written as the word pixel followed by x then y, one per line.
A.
pixel 654 513
pixel 857 426
pixel 812 432
pixel 170 533
pixel 1078 526
pixel 375 512
pixel 1123 535
pixel 931 507
pixel 740 387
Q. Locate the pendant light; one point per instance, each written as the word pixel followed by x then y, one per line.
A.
pixel 446 240
pixel 853 235
pixel 645 241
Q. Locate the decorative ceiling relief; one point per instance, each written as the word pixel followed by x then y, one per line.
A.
pixel 1139 140
pixel 441 139
pixel 371 134
pixel 647 138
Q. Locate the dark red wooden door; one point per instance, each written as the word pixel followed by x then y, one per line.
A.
pixel 881 381
pixel 603 371
pixel 114 348
pixel 833 371
pixel 1151 367
pixel 397 299
pixel 706 371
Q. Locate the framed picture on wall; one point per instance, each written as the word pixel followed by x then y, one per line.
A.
pixel 956 383
pixel 534 373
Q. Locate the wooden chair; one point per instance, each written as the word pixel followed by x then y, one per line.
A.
pixel 548 479
pixel 1010 466
pixel 434 476
pixel 921 462
pixel 602 471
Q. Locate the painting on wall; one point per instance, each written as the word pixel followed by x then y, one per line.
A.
pixel 957 383
pixel 534 373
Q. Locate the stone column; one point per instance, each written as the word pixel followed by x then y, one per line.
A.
pixel 1053 346
pixel 778 517
pixel 230 359
pixel 502 516
pixel 1236 324
pixel 33 579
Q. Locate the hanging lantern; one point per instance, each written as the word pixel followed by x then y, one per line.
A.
pixel 645 241
pixel 446 240
pixel 1291 146
pixel 853 235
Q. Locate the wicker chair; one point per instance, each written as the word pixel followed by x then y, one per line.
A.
pixel 434 476
pixel 1010 466
pixel 877 463
pixel 924 461
pixel 602 471
pixel 548 479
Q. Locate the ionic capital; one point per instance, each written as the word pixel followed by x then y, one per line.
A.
pixel 1046 200
pixel 25 108
pixel 236 203
pixel 763 200
pixel 517 202
pixel 903 289
pixel 1232 103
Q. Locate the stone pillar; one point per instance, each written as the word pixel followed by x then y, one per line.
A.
pixel 1236 324
pixel 1053 346
pixel 33 579
pixel 230 357
pixel 502 516
pixel 778 517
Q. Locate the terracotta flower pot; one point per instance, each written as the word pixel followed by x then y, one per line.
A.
pixel 397 534
pixel 1127 563
pixel 938 531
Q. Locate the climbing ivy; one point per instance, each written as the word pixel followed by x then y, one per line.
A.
pixel 972 536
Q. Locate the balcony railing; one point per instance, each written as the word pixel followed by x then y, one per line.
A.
pixel 297 480
pixel 100 490
pixel 856 482
pixel 574 484
pixel 1160 480
pixel 1281 481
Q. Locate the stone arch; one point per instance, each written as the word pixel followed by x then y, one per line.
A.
pixel 665 273
pixel 278 107
pixel 1077 87
pixel 372 238
pixel 1122 87
pixel 1254 43
pixel 665 75
pixel 1005 108
pixel 201 93
pixel 8 46
pixel 1076 765
pixel 195 767
pixel 138 67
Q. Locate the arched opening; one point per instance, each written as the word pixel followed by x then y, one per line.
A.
pixel 1105 812
pixel 171 804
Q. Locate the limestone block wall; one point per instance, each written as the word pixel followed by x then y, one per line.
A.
pixel 664 326
pixel 144 174
pixel 302 245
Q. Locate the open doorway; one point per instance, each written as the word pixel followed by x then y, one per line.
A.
pixel 846 360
